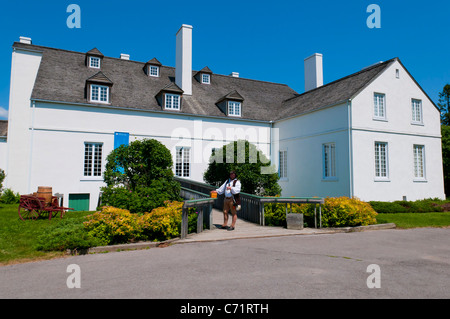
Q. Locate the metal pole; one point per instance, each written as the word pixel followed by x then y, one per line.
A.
pixel 315 218
pixel 262 215
pixel 200 220
pixel 184 223
pixel 210 217
pixel 320 214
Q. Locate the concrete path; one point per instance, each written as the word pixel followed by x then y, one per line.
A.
pixel 245 229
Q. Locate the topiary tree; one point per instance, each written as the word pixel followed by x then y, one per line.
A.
pixel 252 167
pixel 139 177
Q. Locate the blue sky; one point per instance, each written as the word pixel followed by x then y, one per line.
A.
pixel 263 40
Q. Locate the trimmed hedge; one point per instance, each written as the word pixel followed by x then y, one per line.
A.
pixel 419 206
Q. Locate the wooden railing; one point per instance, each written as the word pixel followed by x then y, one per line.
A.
pixel 252 206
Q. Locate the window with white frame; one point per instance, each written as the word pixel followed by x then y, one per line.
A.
pixel 329 161
pixel 172 102
pixel 182 162
pixel 416 106
pixel 153 70
pixel 206 78
pixel 419 161
pixel 381 160
pixel 99 93
pixel 94 62
pixel 283 164
pixel 93 159
pixel 379 106
pixel 234 108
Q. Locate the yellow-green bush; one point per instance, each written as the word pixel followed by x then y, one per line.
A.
pixel 275 214
pixel 163 222
pixel 115 226
pixel 340 212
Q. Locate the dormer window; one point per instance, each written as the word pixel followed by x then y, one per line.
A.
pixel 204 75
pixel 172 101
pixel 98 89
pixel 231 104
pixel 234 108
pixel 152 68
pixel 94 59
pixel 206 78
pixel 94 62
pixel 170 97
pixel 99 94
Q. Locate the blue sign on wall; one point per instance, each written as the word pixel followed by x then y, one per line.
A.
pixel 121 139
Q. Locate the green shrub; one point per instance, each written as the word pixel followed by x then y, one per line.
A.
pixel 9 197
pixel 141 199
pixel 419 206
pixel 2 178
pixel 139 177
pixel 67 234
pixel 387 207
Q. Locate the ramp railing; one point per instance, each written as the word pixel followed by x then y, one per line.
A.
pixel 252 206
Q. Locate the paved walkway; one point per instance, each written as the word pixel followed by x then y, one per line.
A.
pixel 245 229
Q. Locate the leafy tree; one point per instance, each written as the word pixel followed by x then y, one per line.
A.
pixel 252 168
pixel 445 132
pixel 444 105
pixel 139 177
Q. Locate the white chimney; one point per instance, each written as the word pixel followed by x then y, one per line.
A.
pixel 183 71
pixel 313 72
pixel 234 74
pixel 25 40
pixel 124 56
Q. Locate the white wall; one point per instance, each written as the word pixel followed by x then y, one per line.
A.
pixel 25 65
pixel 303 137
pixel 60 132
pixel 400 134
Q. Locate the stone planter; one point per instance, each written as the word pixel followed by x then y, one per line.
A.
pixel 294 221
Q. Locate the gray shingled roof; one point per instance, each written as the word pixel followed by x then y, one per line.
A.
pixel 3 128
pixel 62 78
pixel 63 74
pixel 330 94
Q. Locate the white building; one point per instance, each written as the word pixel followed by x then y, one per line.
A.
pixel 374 134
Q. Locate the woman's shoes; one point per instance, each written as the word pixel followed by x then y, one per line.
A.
pixel 230 228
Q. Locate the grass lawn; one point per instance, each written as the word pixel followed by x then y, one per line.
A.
pixel 414 220
pixel 18 237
